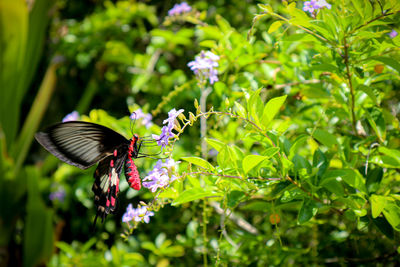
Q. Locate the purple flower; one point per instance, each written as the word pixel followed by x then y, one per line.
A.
pixel 313 5
pixel 142 214
pixel 166 131
pixel 393 34
pixel 172 115
pixel 179 9
pixel 58 195
pixel 73 116
pixel 204 66
pixel 138 215
pixel 322 4
pixel 161 176
pixel 129 214
pixel 146 117
pixel 310 6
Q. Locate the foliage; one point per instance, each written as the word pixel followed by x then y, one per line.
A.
pixel 292 156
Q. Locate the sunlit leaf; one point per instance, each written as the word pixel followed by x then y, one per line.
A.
pixel 199 162
pixel 195 194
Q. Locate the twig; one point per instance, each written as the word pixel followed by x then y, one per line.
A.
pixel 203 120
pixel 232 176
pixel 237 220
pixel 281 86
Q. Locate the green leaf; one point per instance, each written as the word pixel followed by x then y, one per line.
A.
pixel 377 205
pixel 351 177
pixel 308 210
pixel 325 138
pixel 298 143
pixel 271 151
pixel 393 153
pixel 374 179
pixel 223 24
pixel 333 186
pixel 66 248
pixel 254 106
pixel 266 8
pixel 234 198
pixel 275 26
pixel 195 194
pixel 199 162
pixel 240 110
pixel 385 161
pixel 216 144
pixel 223 157
pixel 220 88
pixel 377 122
pixel 358 6
pixel 382 224
pixel 271 109
pixel 320 161
pixel 392 214
pixel 369 92
pixel 38 224
pixel 208 43
pixel 251 161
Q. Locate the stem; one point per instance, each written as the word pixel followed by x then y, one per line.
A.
pixel 205 239
pixel 231 176
pixel 203 121
pixel 203 131
pixel 303 28
pixel 370 21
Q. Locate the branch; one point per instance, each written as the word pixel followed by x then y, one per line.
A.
pixel 242 223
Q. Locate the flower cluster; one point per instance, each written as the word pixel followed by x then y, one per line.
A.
pixel 393 34
pixel 161 176
pixel 166 131
pixel 58 195
pixel 146 117
pixel 141 214
pixel 313 5
pixel 205 66
pixel 73 116
pixel 179 9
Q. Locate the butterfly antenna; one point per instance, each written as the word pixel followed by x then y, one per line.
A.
pixel 133 121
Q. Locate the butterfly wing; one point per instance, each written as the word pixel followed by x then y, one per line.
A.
pixel 79 143
pixel 106 185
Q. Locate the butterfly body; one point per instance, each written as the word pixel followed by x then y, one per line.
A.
pixel 83 144
pixel 131 172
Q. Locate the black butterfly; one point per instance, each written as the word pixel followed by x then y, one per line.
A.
pixel 82 144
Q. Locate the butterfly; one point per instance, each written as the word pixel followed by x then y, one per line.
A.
pixel 83 144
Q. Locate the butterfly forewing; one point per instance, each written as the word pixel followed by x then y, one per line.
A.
pixel 79 143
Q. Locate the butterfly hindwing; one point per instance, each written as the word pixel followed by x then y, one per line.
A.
pixel 79 143
pixel 106 185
